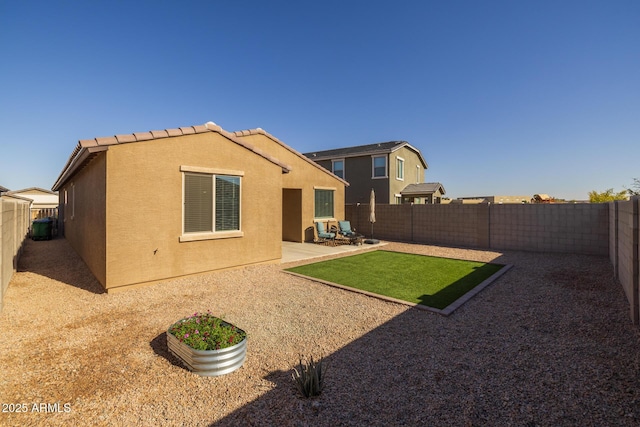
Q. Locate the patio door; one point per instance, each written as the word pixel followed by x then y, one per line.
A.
pixel 292 230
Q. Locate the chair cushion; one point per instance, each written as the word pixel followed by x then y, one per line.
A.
pixel 345 226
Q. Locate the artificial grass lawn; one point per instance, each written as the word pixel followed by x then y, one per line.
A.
pixel 431 281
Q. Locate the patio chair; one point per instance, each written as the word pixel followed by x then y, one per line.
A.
pixel 322 235
pixel 345 229
pixel 348 233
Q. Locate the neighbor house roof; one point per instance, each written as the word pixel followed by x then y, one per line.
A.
pixel 364 150
pixel 41 198
pixel 89 148
pixel 260 131
pixel 32 190
pixel 3 189
pixel 422 188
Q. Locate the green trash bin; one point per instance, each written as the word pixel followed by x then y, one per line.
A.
pixel 41 229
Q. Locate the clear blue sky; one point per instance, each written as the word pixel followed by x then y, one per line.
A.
pixel 502 97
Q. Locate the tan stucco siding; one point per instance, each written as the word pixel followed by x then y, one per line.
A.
pixel 145 199
pixel 304 176
pixel 83 215
pixel 411 160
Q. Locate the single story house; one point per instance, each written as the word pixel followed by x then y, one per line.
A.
pixel 145 207
pixel 45 202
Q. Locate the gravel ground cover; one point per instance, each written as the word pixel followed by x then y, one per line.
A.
pixel 550 343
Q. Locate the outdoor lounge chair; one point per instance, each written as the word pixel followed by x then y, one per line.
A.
pixel 345 228
pixel 323 236
pixel 346 232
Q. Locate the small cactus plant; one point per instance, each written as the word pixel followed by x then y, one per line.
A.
pixel 309 377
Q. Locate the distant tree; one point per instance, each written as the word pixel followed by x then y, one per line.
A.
pixel 635 188
pixel 607 196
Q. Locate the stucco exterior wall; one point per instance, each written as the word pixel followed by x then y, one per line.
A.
pixel 83 215
pixel 411 160
pixel 358 172
pixel 144 209
pixel 305 176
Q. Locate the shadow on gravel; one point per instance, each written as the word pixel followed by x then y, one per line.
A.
pixel 56 260
pixel 510 357
pixel 159 347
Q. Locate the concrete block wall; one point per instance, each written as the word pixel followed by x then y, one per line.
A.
pixel 570 228
pixel 14 229
pixel 392 222
pixel 626 253
pixel 456 225
pixel 613 237
pixel 459 225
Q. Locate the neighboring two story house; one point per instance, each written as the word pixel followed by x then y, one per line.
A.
pixel 390 168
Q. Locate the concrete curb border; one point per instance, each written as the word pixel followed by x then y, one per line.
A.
pixel 445 311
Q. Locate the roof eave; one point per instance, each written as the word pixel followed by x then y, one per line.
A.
pixel 411 147
pixel 260 131
pixel 369 153
pixel 77 162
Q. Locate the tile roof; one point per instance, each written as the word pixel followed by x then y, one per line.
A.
pixel 357 150
pixel 423 188
pixel 364 150
pixel 260 131
pixel 86 149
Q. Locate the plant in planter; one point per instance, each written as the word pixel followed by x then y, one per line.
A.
pixel 207 345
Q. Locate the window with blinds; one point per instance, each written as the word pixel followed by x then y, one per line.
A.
pixel 211 203
pixel 323 203
pixel 227 203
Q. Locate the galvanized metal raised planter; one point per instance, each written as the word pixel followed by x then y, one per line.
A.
pixel 208 363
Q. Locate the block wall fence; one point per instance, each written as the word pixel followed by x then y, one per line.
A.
pixel 624 251
pixel 603 229
pixel 14 229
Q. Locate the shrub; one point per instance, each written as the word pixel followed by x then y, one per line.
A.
pixel 309 377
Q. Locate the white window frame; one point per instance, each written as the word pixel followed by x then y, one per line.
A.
pixel 66 204
pixel 333 167
pixel 333 214
pixel 373 166
pixel 399 168
pixel 418 174
pixel 210 235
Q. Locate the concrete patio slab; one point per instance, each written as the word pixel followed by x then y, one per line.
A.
pixel 292 251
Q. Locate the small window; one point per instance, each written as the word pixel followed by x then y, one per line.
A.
pixel 400 168
pixel 211 203
pixel 323 207
pixel 66 204
pixel 337 167
pixel 73 200
pixel 398 200
pixel 418 180
pixel 379 166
